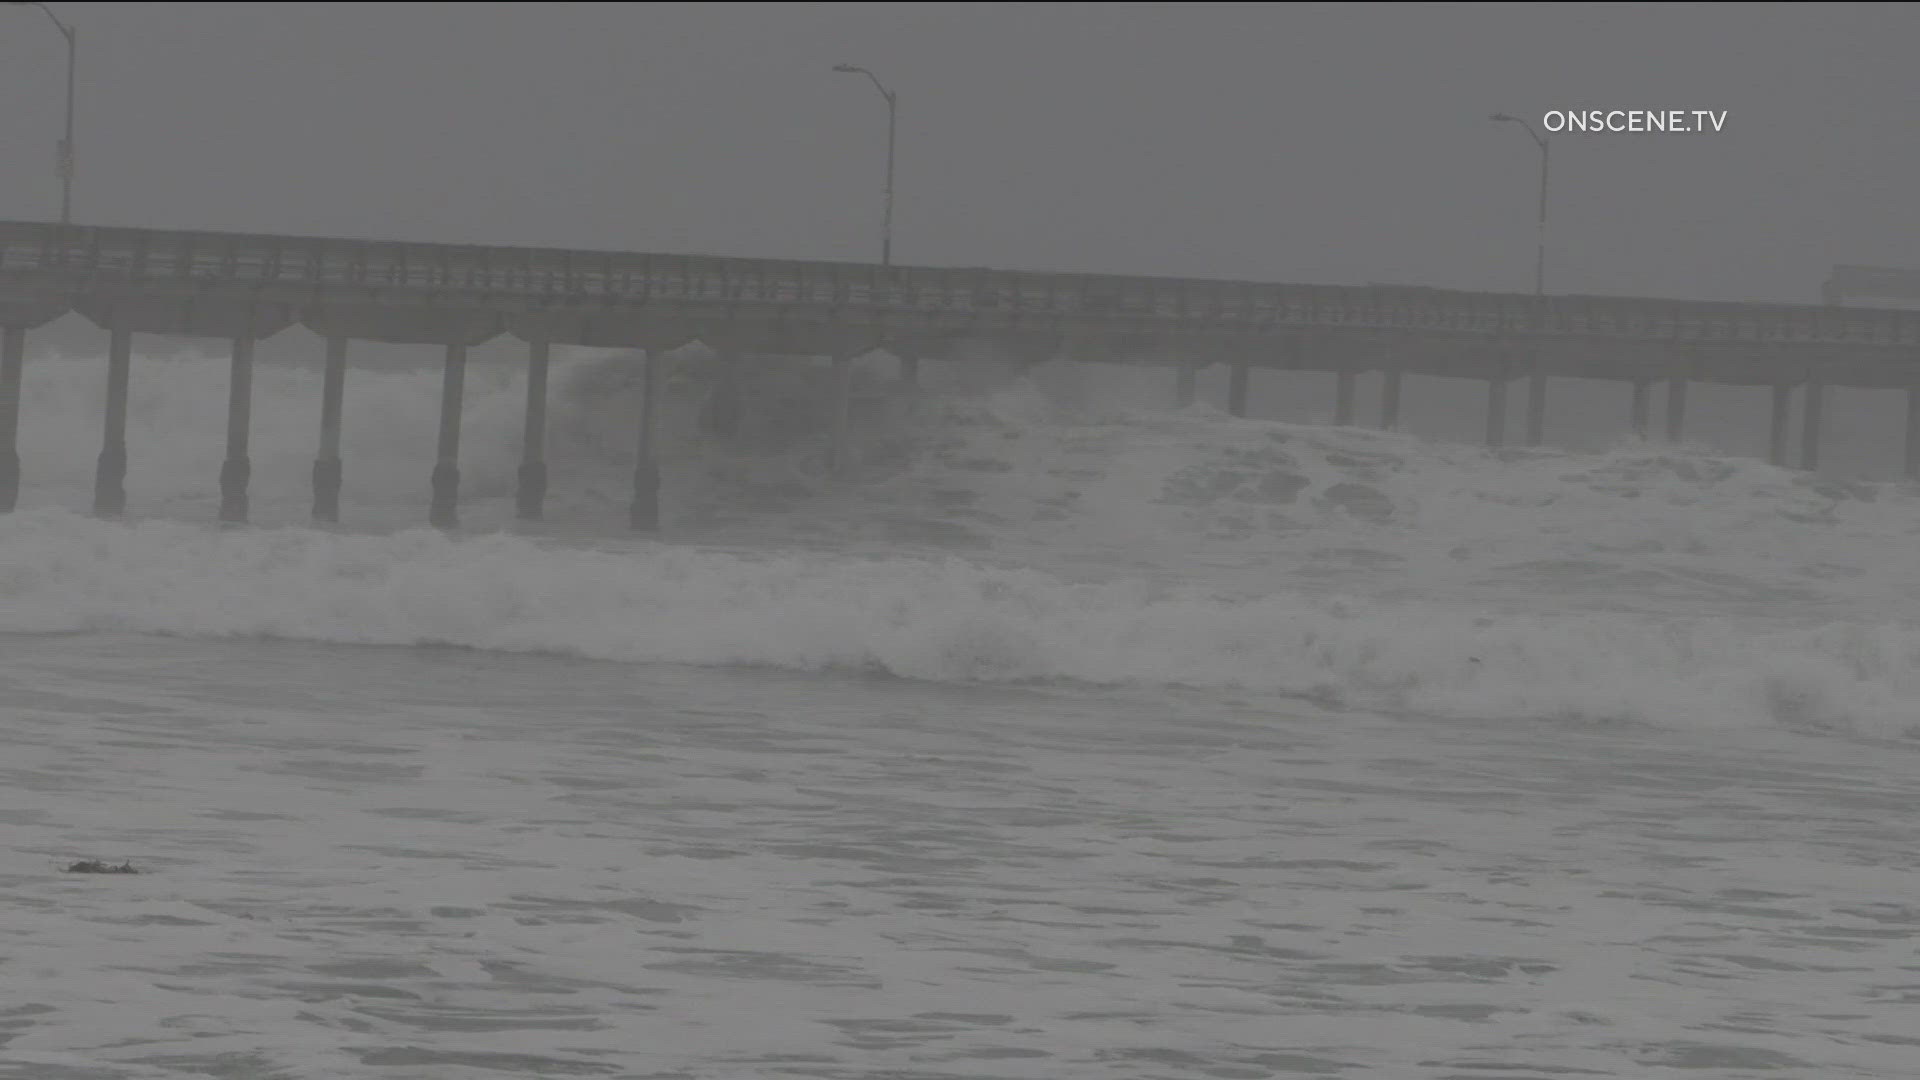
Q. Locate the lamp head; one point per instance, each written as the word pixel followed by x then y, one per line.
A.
pixel 846 67
pixel 1500 116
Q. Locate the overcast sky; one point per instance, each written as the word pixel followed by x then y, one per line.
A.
pixel 1340 144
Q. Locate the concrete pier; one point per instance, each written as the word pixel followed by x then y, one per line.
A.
pixel 1390 380
pixel 1777 435
pixel 839 411
pixel 1237 388
pixel 1912 470
pixel 1810 432
pixel 326 464
pixel 445 510
pixel 644 513
pixel 1536 406
pixel 245 288
pixel 110 473
pixel 1497 411
pixel 13 358
pixel 237 469
pixel 530 492
pixel 1183 383
pixel 724 406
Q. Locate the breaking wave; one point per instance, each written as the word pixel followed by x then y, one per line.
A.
pixel 946 620
pixel 1041 529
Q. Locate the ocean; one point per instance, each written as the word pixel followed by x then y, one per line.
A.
pixel 1065 736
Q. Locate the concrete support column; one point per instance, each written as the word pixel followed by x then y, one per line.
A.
pixel 1237 388
pixel 530 496
pixel 1343 391
pixel 110 474
pixel 839 411
pixel 1810 434
pixel 1536 407
pixel 1390 399
pixel 1913 433
pixel 1777 443
pixel 238 468
pixel 644 514
pixel 1642 407
pixel 445 510
pixel 1497 411
pixel 13 358
pixel 326 464
pixel 724 405
pixel 1183 383
pixel 1676 408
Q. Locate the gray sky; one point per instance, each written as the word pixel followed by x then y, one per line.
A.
pixel 1339 144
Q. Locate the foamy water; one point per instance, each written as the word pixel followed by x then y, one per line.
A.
pixel 947 620
pixel 420 864
pixel 1064 736
pixel 1033 532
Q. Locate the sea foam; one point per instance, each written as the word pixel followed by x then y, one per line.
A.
pixel 946 620
pixel 1049 526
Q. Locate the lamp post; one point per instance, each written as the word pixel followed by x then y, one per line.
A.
pixel 1540 256
pixel 65 163
pixel 886 222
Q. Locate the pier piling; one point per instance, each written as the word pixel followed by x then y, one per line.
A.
pixel 530 493
pixel 1810 432
pixel 1676 408
pixel 13 357
pixel 110 473
pixel 1913 433
pixel 237 469
pixel 839 411
pixel 1237 388
pixel 1536 406
pixel 644 513
pixel 1497 411
pixel 1390 399
pixel 445 510
pixel 326 464
pixel 1777 439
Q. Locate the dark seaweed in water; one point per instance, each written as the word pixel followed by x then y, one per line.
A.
pixel 95 866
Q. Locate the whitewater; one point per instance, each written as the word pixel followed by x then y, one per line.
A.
pixel 1066 734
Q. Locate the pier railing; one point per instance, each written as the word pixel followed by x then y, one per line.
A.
pixel 82 258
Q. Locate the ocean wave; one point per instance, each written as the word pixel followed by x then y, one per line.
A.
pixel 1037 524
pixel 947 620
pixel 1061 467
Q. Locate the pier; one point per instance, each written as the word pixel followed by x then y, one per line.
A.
pixel 243 288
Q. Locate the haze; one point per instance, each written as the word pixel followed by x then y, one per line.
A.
pixel 1340 144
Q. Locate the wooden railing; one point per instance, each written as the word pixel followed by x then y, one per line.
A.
pixel 78 258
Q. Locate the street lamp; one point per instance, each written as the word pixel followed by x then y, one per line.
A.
pixel 1540 256
pixel 65 163
pixel 886 225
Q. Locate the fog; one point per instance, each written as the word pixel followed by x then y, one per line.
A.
pixel 997 709
pixel 1309 144
pixel 1338 144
